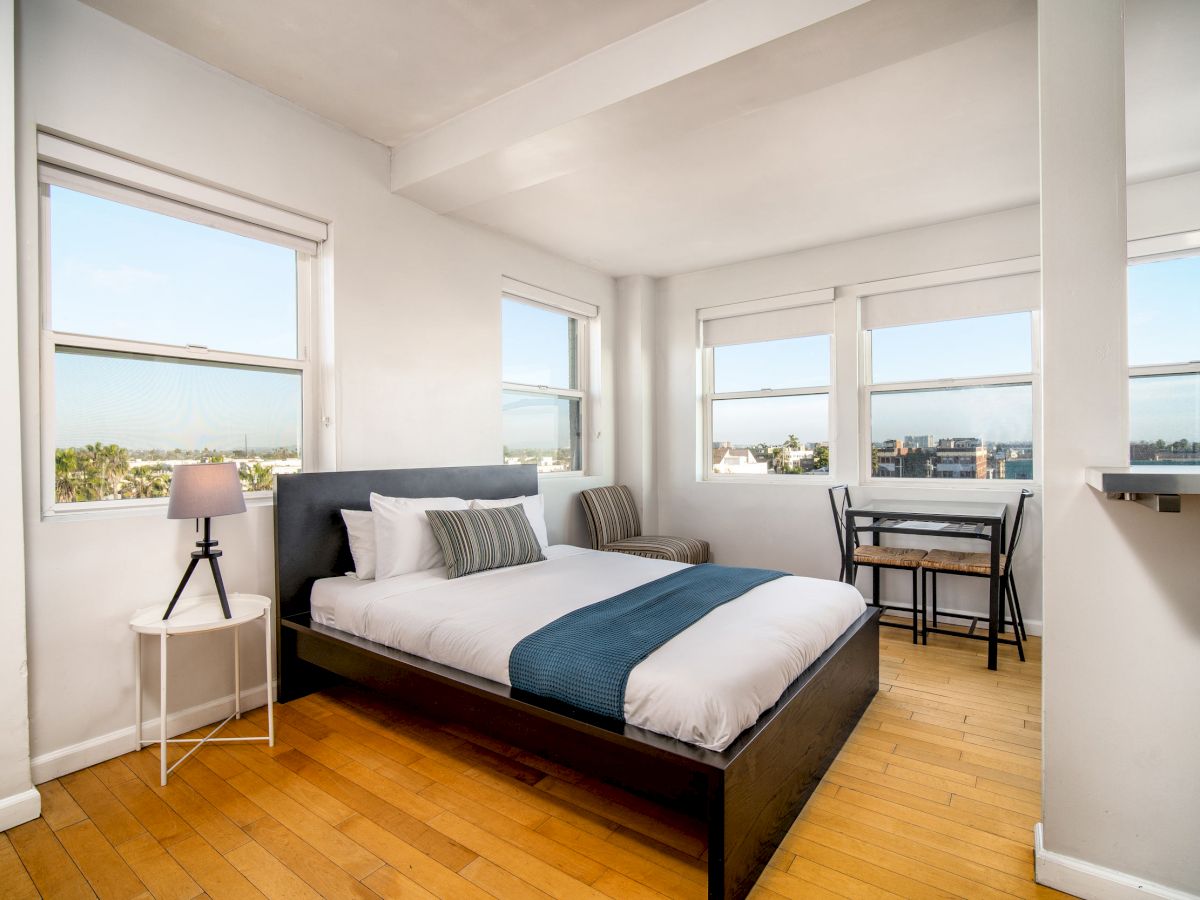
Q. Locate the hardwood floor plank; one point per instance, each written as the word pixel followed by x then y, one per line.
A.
pixel 211 870
pixel 268 874
pixel 101 865
pixel 52 871
pixel 59 808
pixel 157 869
pixel 112 818
pixel 15 882
pixel 310 865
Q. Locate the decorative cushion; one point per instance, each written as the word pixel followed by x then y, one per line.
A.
pixel 360 529
pixel 956 561
pixel 899 557
pixel 611 514
pixel 473 540
pixel 676 549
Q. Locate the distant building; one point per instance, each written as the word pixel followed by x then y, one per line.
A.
pixel 1018 468
pixel 729 460
pixel 922 441
pixel 961 458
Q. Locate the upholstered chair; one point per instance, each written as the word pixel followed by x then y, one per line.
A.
pixel 615 526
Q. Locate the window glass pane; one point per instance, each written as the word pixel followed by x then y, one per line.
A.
pixel 960 348
pixel 122 422
pixel 1164 312
pixel 976 432
pixel 789 363
pixel 771 435
pixel 123 272
pixel 539 347
pixel 1164 420
pixel 543 430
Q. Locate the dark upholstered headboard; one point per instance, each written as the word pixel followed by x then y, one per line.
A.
pixel 310 538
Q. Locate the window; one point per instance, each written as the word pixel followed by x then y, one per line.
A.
pixel 1164 361
pixel 171 335
pixel 951 383
pixel 767 377
pixel 543 396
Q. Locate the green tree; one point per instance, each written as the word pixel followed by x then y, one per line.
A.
pixel 821 457
pixel 256 476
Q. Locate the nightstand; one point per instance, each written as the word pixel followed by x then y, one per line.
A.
pixel 199 615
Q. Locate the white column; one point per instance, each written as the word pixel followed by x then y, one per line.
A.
pixel 1122 614
pixel 636 297
pixel 19 801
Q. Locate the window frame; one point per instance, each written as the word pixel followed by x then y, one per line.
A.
pixel 1151 250
pixel 583 328
pixel 50 341
pixel 868 388
pixel 709 395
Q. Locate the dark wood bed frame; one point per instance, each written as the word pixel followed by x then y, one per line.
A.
pixel 749 794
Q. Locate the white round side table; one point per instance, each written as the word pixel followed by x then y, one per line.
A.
pixel 199 615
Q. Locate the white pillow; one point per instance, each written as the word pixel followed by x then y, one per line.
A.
pixel 360 528
pixel 535 512
pixel 404 541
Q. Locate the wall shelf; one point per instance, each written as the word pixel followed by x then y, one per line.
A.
pixel 1158 487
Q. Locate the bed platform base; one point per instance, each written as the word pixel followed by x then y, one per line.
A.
pixel 749 794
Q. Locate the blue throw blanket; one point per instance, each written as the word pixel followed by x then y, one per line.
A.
pixel 584 658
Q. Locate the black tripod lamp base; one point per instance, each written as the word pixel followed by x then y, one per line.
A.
pixel 209 552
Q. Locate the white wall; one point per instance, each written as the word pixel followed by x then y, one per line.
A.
pixel 790 526
pixel 635 394
pixel 1121 795
pixel 18 801
pixel 416 318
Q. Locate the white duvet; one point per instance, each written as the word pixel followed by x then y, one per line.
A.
pixel 704 686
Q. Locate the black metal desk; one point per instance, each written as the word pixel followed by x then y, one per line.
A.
pixel 937 518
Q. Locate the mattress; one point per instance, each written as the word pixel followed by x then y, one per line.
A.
pixel 705 686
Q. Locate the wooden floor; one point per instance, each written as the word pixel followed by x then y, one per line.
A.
pixel 935 795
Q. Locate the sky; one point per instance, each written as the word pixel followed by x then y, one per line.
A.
pixel 535 350
pixel 119 271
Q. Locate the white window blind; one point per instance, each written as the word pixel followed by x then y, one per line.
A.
pixel 964 300
pixel 797 315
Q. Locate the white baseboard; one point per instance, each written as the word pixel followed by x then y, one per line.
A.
pixel 106 746
pixel 20 808
pixel 1093 882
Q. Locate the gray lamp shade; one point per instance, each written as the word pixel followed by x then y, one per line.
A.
pixel 202 490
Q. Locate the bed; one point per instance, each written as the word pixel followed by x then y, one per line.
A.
pixel 748 774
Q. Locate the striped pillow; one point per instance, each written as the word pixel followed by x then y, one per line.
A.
pixel 473 540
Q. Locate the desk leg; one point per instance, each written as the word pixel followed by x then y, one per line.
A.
pixel 994 597
pixel 268 624
pixel 162 708
pixel 137 691
pixel 237 674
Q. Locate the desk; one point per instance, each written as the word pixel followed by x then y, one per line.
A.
pixel 199 615
pixel 937 518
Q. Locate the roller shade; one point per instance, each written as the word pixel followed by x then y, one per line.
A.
pixel 778 318
pixel 963 300
pixel 536 296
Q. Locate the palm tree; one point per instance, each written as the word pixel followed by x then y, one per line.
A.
pixel 256 476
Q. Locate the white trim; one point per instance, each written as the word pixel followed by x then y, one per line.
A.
pixel 519 290
pixel 70 155
pixel 78 756
pixel 1085 879
pixel 765 304
pixel 20 808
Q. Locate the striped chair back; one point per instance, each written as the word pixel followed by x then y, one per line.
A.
pixel 611 514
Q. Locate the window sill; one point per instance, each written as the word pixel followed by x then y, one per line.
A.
pixel 951 484
pixel 126 509
pixel 799 480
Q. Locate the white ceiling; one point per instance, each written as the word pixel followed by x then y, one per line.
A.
pixel 389 69
pixel 662 136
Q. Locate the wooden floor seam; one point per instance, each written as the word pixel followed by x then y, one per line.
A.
pixel 935 794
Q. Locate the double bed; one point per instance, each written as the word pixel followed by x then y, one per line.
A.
pixel 734 719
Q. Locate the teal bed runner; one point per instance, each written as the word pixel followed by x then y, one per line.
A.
pixel 584 658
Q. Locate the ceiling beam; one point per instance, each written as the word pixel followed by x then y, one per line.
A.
pixel 697 38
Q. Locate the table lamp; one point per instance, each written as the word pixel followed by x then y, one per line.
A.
pixel 201 491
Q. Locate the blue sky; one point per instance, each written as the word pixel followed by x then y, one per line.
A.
pixel 119 271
